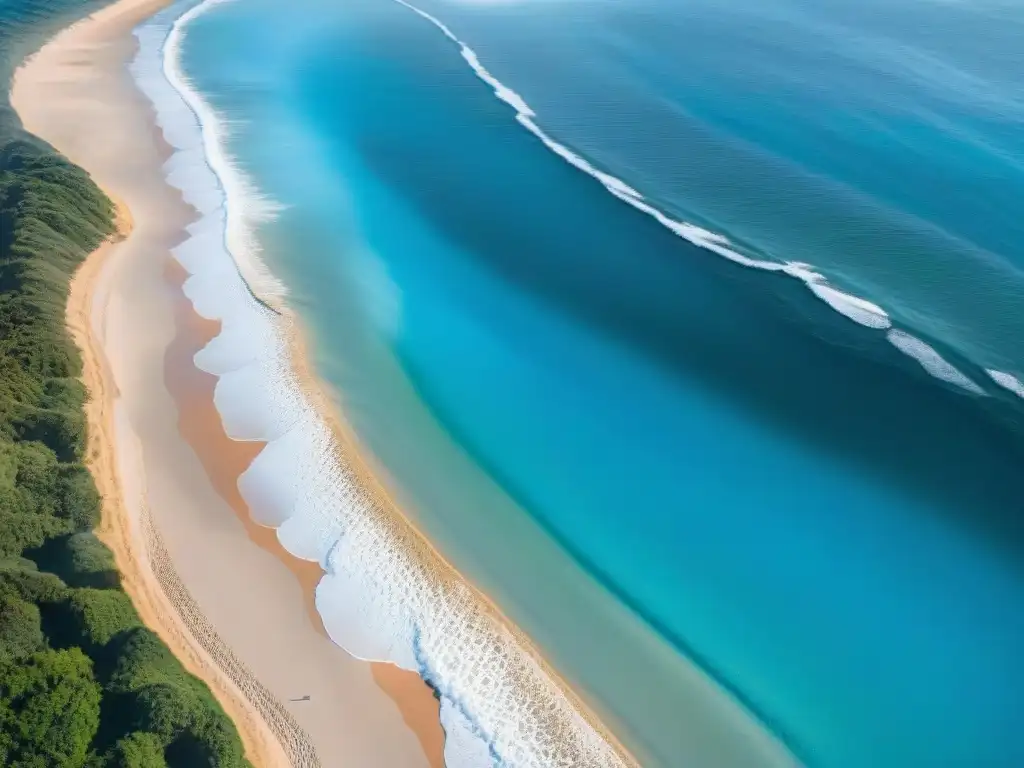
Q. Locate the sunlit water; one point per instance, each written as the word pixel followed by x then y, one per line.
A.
pixel 690 332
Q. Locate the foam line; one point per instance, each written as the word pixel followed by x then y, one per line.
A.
pixel 855 308
pixel 1007 381
pixel 932 361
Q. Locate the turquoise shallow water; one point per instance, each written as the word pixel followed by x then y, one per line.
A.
pixel 780 493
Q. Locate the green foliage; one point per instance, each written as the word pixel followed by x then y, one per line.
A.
pixel 81 560
pixel 63 395
pixel 88 555
pixel 21 576
pixel 99 615
pixel 29 496
pixel 143 660
pixel 63 432
pixel 137 750
pixel 49 710
pixel 21 632
pixel 163 709
pixel 78 502
pixel 166 700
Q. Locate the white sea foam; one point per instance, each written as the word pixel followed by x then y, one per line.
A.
pixel 855 308
pixel 385 596
pixel 1007 381
pixel 931 360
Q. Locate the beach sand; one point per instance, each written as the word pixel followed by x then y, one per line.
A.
pixel 234 607
pixel 240 610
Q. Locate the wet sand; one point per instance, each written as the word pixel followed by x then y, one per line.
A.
pixel 231 604
pixel 226 459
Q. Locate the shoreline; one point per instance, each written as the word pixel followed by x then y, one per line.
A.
pixel 226 459
pixel 115 529
pixel 270 734
pixel 349 454
pixel 148 593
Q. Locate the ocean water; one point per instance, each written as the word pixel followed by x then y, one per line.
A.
pixel 691 333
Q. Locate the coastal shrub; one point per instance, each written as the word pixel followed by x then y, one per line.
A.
pixel 35 478
pixel 62 432
pixel 140 659
pixel 13 563
pixel 21 576
pixel 171 702
pixel 210 745
pixel 29 477
pixel 143 659
pixel 78 502
pixel 80 560
pixel 99 615
pixel 165 710
pixel 22 531
pixel 64 395
pixel 207 741
pixel 21 631
pixel 49 709
pixel 137 750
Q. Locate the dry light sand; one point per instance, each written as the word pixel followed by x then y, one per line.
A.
pixel 234 607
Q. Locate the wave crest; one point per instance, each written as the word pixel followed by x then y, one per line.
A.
pixel 860 310
pixel 932 361
pixel 1007 381
pixel 855 308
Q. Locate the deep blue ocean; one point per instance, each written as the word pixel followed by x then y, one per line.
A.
pixel 821 509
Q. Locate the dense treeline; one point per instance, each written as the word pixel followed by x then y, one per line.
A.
pixel 82 682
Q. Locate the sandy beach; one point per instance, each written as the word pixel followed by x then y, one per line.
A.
pixel 235 607
pixel 232 605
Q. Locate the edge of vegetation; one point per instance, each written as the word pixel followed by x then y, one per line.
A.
pixel 83 684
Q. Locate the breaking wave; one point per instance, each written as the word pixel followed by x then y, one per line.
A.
pixel 860 310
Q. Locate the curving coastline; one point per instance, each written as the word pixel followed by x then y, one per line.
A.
pixel 334 510
pixel 147 574
pixel 225 460
pixel 191 571
pixel 298 484
pixel 318 522
pixel 136 532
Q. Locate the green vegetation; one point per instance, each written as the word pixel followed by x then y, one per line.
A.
pixel 82 683
pixel 138 750
pixel 49 709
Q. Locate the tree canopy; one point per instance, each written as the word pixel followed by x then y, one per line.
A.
pixel 137 750
pixel 49 709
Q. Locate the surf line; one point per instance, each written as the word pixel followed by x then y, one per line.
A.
pixel 855 308
pixel 251 207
